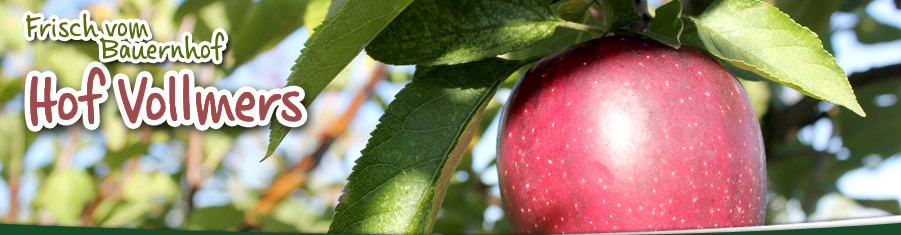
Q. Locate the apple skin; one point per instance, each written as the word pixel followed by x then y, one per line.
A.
pixel 626 134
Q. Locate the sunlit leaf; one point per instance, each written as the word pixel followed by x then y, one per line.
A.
pixel 813 14
pixel 560 39
pixel 757 37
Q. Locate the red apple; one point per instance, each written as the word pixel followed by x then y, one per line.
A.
pixel 626 134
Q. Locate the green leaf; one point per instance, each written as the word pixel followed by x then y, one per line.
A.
pixel 460 31
pixel 335 7
pixel 190 7
pixel 124 213
pixel 813 14
pixel 9 88
pixel 690 37
pixel 870 31
pixel 756 36
pixel 666 27
pixel 574 10
pixel 336 42
pixel 65 193
pixel 209 18
pixel 561 39
pixel 268 22
pixel 398 184
pixel 236 11
pixel 617 14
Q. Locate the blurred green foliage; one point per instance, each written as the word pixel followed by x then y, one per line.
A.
pixel 121 191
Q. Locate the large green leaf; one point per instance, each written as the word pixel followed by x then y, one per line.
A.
pixel 398 184
pixel 813 14
pixel 236 11
pixel 690 37
pixel 268 22
pixel 460 31
pixel 666 27
pixel 756 36
pixel 336 42
pixel 562 37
